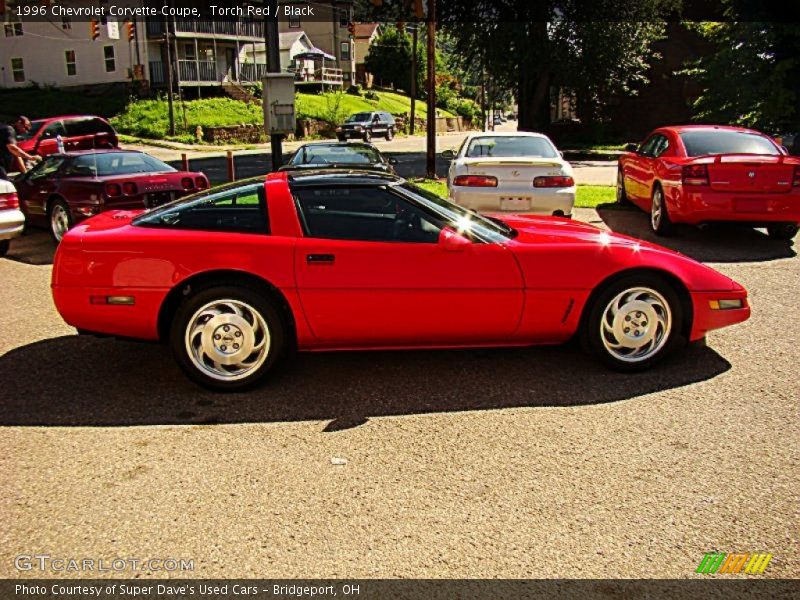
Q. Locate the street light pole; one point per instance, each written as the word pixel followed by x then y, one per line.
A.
pixel 272 44
pixel 171 108
pixel 413 76
pixel 431 145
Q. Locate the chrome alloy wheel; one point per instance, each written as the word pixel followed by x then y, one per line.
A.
pixel 227 339
pixel 657 210
pixel 59 221
pixel 636 324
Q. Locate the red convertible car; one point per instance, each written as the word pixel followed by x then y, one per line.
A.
pixel 234 276
pixel 702 174
pixel 64 189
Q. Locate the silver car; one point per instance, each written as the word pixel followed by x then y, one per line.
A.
pixel 12 221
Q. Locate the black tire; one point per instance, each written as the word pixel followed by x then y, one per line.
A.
pixel 660 222
pixel 209 376
pixel 782 231
pixel 389 134
pixel 341 138
pixel 622 197
pixel 56 211
pixel 662 328
pixel 4 246
pixel 367 136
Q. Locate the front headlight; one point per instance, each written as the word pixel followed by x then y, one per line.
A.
pixel 338 129
pixel 358 127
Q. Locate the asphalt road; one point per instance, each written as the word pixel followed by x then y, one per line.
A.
pixel 491 463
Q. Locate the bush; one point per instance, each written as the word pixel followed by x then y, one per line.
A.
pixel 370 95
pixel 354 90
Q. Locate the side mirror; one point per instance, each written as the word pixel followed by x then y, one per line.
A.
pixel 561 153
pixel 452 241
pixel 391 160
pixel 449 154
pixel 631 147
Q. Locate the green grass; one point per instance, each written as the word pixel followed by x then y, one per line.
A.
pixel 323 106
pixel 588 196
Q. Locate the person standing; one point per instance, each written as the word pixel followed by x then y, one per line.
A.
pixel 12 157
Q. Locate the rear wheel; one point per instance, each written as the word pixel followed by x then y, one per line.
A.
pixel 341 138
pixel 634 322
pixel 227 338
pixel 389 134
pixel 622 197
pixel 782 231
pixel 60 220
pixel 659 217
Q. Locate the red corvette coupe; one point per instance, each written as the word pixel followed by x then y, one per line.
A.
pixel 700 174
pixel 63 189
pixel 317 260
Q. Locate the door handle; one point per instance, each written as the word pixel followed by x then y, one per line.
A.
pixel 316 259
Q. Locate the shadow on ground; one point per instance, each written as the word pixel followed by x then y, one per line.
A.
pixel 87 381
pixel 35 247
pixel 712 243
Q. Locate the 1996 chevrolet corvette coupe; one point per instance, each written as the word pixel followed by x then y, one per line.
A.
pixel 235 276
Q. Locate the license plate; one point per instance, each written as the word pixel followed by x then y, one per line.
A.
pixel 158 198
pixel 750 205
pixel 515 204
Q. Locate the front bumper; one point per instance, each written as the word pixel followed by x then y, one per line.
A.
pixel 12 223
pixel 350 133
pixel 695 207
pixel 707 319
pixel 528 200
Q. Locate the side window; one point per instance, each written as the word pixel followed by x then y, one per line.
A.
pixel 98 126
pixel 241 209
pixel 647 148
pixel 364 214
pixel 77 127
pixel 52 130
pixel 46 168
pixel 661 146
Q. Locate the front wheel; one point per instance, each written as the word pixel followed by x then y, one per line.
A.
pixel 60 220
pixel 782 231
pixel 622 196
pixel 227 338
pixel 367 136
pixel 659 216
pixel 4 246
pixel 634 322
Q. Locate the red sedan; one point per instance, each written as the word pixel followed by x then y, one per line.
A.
pixel 235 276
pixel 78 132
pixel 702 174
pixel 64 189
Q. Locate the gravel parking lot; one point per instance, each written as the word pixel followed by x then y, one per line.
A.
pixel 503 463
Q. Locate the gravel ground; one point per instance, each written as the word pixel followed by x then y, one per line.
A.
pixel 507 463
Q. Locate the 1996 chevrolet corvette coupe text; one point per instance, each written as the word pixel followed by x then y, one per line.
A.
pixel 235 276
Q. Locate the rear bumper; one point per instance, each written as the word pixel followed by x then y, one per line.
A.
pixel 695 207
pixel 350 134
pixel 12 222
pixel 707 319
pixel 541 201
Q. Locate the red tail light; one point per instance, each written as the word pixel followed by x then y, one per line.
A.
pixel 475 181
pixel 553 181
pixel 694 175
pixel 113 190
pixel 129 188
pixel 796 181
pixel 10 200
pixel 187 183
pixel 200 183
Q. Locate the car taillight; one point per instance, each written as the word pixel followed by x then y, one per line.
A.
pixel 475 181
pixel 129 188
pixel 553 181
pixel 694 175
pixel 200 183
pixel 113 190
pixel 10 200
pixel 187 183
pixel 796 181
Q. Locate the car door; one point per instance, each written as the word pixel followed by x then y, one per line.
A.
pixel 38 184
pixel 370 272
pixel 638 171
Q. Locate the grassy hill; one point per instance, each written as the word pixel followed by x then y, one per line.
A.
pixel 320 106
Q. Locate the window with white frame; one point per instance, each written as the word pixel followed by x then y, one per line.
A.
pixel 13 29
pixel 18 70
pixel 344 17
pixel 72 65
pixel 345 52
pixel 294 22
pixel 108 55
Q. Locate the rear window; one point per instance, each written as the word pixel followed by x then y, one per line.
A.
pixel 120 163
pixel 326 155
pixel 511 146
pixel 704 142
pixel 93 126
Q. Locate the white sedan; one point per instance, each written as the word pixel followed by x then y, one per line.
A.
pixel 12 221
pixel 514 172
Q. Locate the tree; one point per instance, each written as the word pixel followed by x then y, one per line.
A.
pixel 753 77
pixel 389 60
pixel 533 46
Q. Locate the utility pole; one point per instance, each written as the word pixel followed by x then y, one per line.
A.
pixel 169 79
pixel 431 154
pixel 413 75
pixel 272 44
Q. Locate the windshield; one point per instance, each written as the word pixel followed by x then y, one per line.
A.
pixel 710 141
pixel 120 163
pixel 538 147
pixel 359 117
pixel 352 154
pixel 458 217
pixel 36 126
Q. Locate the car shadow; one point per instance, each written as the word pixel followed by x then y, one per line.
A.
pixel 712 243
pixel 88 381
pixel 34 247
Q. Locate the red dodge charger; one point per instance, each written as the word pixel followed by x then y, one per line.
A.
pixel 235 276
pixel 702 174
